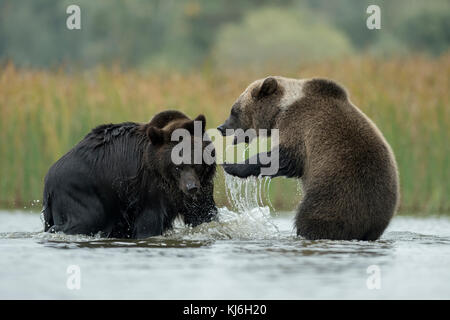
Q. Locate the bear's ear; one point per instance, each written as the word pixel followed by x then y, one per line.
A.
pixel 268 87
pixel 155 135
pixel 203 121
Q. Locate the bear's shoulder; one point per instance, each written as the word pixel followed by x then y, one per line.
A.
pixel 105 133
pixel 113 129
pixel 325 88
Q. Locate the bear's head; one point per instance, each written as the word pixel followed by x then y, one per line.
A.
pixel 260 105
pixel 180 151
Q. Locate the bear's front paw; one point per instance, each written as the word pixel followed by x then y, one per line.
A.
pixel 240 170
pixel 233 169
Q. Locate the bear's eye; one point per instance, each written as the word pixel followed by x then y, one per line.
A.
pixel 234 112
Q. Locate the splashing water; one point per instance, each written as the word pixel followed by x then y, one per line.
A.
pixel 249 217
pixel 267 182
pixel 299 188
pixel 253 224
pixel 247 194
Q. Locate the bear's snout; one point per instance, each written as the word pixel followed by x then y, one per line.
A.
pixel 222 129
pixel 230 123
pixel 189 182
pixel 192 188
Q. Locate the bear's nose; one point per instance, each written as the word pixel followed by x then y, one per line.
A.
pixel 221 129
pixel 192 188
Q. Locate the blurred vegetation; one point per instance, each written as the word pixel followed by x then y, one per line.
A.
pixel 186 34
pixel 44 113
pixel 273 34
pixel 134 58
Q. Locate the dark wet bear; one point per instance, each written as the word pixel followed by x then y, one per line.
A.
pixel 119 181
pixel 348 171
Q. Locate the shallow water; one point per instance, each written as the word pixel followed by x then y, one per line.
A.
pixel 250 255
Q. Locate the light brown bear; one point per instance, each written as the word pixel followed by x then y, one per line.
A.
pixel 348 170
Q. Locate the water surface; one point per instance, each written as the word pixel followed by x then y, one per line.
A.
pixel 248 255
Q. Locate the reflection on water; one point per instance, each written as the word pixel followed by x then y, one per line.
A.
pixel 125 243
pixel 339 248
pixel 247 255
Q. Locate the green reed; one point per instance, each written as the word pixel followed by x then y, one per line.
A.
pixel 44 113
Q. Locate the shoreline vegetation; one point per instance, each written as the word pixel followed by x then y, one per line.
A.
pixel 45 113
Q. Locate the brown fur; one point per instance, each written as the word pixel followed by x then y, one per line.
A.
pixel 163 118
pixel 348 171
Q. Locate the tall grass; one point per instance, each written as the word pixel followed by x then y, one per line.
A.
pixel 44 113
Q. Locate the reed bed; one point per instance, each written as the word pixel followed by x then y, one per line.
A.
pixel 44 113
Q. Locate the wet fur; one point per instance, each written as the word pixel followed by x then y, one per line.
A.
pixel 114 182
pixel 348 171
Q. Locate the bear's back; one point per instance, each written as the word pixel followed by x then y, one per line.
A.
pixel 109 150
pixel 349 166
